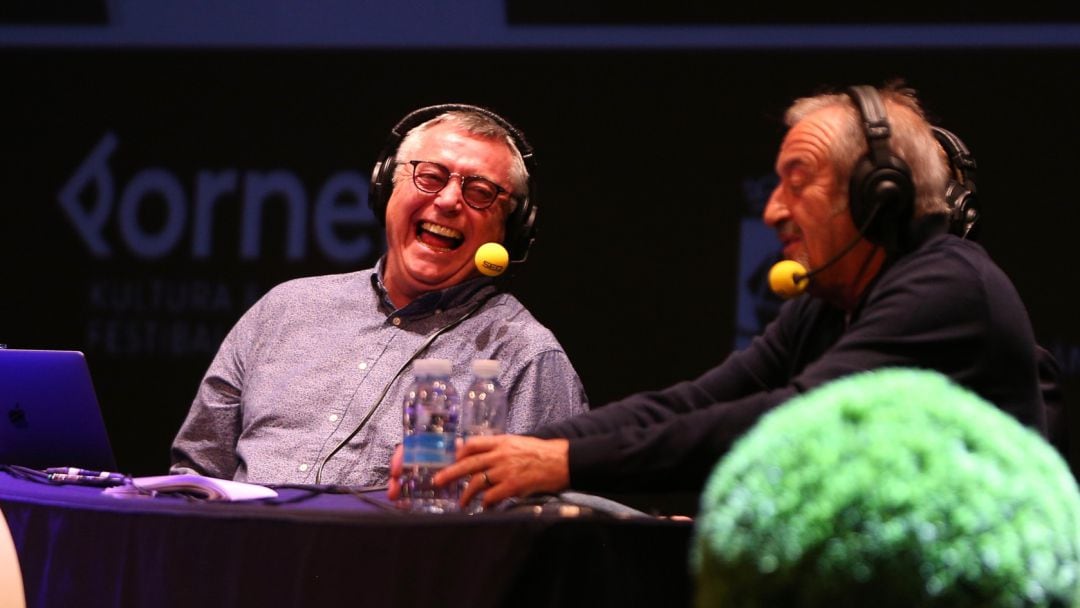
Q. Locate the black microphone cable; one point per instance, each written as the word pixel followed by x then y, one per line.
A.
pixel 386 389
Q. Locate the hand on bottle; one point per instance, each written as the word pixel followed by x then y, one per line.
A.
pixel 502 466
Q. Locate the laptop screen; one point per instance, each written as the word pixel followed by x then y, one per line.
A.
pixel 49 413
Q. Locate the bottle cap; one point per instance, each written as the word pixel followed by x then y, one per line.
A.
pixel 485 368
pixel 432 367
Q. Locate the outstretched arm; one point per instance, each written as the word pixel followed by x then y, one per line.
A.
pixel 503 466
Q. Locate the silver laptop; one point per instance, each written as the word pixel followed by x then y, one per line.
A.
pixel 49 414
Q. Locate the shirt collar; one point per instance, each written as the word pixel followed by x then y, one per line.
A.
pixel 432 301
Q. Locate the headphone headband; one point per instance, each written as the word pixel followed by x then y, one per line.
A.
pixel 421 115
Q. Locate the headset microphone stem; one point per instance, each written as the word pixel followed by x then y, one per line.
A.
pixel 788 286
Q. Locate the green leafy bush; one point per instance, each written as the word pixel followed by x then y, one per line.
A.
pixel 889 488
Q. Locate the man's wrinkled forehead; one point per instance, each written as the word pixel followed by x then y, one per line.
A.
pixel 808 142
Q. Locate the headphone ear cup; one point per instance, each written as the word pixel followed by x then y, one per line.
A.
pixel 382 184
pixel 960 192
pixel 881 200
pixel 521 230
pixel 964 210
pixel 861 204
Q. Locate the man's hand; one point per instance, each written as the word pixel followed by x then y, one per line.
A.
pixel 393 491
pixel 503 466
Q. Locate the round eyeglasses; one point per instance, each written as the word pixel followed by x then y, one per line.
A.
pixel 478 192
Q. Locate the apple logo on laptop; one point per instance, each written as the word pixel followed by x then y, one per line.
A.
pixel 17 416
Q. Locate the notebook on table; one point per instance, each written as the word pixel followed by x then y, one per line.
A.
pixel 49 413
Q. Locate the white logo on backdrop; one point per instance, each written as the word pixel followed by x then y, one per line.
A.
pixel 154 212
pixel 92 199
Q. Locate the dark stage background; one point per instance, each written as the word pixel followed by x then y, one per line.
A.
pixel 134 227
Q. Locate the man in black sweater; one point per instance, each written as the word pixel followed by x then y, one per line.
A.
pixel 861 204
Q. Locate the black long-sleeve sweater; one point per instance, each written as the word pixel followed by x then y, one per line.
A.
pixel 943 305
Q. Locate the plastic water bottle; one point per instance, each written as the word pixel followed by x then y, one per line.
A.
pixel 483 409
pixel 431 411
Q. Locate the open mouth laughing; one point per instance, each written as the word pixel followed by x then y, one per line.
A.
pixel 438 237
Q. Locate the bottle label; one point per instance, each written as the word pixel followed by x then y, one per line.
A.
pixel 429 449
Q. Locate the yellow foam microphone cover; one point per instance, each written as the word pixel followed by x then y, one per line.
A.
pixel 491 259
pixel 783 281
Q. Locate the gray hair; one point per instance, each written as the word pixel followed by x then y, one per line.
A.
pixel 479 125
pixel 911 140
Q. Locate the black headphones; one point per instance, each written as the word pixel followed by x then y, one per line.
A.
pixel 882 195
pixel 520 225
pixel 960 193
